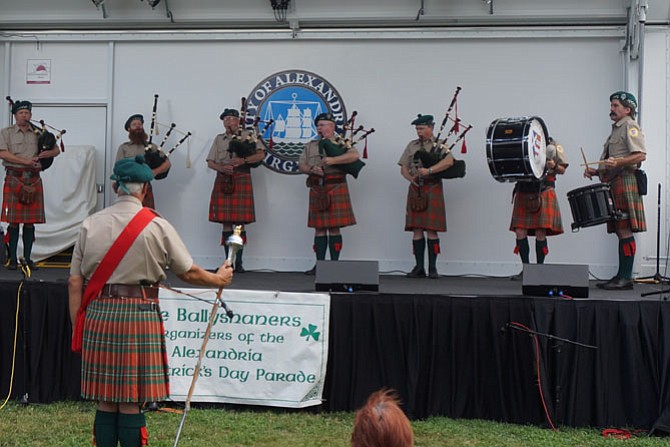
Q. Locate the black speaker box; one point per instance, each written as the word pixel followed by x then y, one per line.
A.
pixel 556 280
pixel 347 276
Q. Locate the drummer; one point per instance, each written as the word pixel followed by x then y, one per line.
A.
pixel 536 212
pixel 623 152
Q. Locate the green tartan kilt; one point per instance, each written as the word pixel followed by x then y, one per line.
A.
pixel 627 199
pixel 434 217
pixel 339 214
pixel 123 352
pixel 547 216
pixel 237 207
pixel 13 211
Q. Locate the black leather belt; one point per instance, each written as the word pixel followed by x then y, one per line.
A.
pixel 128 291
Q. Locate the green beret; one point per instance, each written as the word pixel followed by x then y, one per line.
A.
pixel 324 117
pixel 131 170
pixel 426 120
pixel 627 99
pixel 229 112
pixel 21 105
pixel 132 118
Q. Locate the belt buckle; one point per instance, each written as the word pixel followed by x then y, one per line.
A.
pixel 148 306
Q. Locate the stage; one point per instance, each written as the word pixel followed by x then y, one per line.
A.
pixel 454 346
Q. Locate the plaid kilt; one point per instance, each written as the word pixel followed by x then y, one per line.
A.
pixel 236 208
pixel 627 199
pixel 149 198
pixel 123 353
pixel 14 211
pixel 339 214
pixel 434 217
pixel 547 217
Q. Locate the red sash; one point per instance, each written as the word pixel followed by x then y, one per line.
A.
pixel 107 266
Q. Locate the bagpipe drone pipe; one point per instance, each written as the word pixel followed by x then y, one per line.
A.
pixel 45 140
pixel 154 155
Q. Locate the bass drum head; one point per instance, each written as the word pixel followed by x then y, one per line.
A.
pixel 536 146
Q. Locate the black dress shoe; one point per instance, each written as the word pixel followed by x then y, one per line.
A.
pixel 31 265
pixel 417 273
pixel 12 265
pixel 311 272
pixel 619 284
pixel 239 269
pixel 601 285
pixel 432 274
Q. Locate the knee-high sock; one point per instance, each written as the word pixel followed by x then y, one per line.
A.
pixel 419 248
pixel 433 251
pixel 132 430
pixel 13 242
pixel 28 239
pixel 238 256
pixel 335 246
pixel 105 432
pixel 523 249
pixel 541 250
pixel 320 247
pixel 627 251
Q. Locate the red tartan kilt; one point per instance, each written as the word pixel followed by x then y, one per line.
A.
pixel 547 217
pixel 14 211
pixel 237 207
pixel 627 199
pixel 434 217
pixel 123 353
pixel 339 214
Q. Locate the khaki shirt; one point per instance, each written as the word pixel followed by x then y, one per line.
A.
pixel 128 149
pixel 560 158
pixel 22 144
pixel 313 157
pixel 157 247
pixel 626 138
pixel 407 157
pixel 219 152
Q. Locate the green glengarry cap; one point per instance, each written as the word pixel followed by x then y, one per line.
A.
pixel 132 118
pixel 426 120
pixel 131 170
pixel 327 116
pixel 21 105
pixel 229 112
pixel 626 98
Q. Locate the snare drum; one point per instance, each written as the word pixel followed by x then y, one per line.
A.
pixel 516 149
pixel 591 205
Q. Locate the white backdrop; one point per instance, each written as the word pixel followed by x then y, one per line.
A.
pixel 563 77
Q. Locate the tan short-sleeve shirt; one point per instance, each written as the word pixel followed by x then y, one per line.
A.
pixel 157 247
pixel 20 143
pixel 313 157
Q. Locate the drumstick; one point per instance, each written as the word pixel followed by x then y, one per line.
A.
pixel 586 163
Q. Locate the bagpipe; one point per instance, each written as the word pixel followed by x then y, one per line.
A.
pixel 244 142
pixel 441 146
pixel 45 140
pixel 155 155
pixel 340 144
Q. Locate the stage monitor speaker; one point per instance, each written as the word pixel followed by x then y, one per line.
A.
pixel 347 276
pixel 556 280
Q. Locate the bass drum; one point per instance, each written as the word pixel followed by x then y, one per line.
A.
pixel 516 149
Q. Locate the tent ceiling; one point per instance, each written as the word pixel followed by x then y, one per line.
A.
pixel 138 14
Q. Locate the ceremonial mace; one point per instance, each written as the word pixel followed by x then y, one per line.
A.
pixel 234 243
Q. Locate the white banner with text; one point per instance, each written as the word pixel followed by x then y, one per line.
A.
pixel 273 351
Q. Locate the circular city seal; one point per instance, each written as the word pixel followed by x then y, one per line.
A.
pixel 284 105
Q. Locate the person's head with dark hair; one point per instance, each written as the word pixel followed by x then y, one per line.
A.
pixel 381 423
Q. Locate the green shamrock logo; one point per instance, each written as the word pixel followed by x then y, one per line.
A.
pixel 310 331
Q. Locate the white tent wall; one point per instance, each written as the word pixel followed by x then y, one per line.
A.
pixel 564 76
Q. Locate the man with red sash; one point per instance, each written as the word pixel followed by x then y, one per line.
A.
pixel 622 155
pixel 137 144
pixel 23 192
pixel 425 212
pixel 232 199
pixel 117 324
pixel 329 203
pixel 536 211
